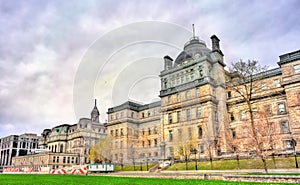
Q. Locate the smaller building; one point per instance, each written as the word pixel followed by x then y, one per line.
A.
pixel 16 145
pixel 48 160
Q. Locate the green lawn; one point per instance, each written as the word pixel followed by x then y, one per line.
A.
pixel 281 163
pixel 9 179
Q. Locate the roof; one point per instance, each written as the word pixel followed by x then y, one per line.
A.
pixel 193 47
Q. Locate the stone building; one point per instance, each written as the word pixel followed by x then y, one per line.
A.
pixel 67 144
pixel 196 101
pixel 16 145
pixel 136 132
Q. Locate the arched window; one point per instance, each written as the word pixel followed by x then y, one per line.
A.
pixel 61 148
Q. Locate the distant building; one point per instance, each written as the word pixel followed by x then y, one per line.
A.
pixel 195 100
pixel 16 145
pixel 66 145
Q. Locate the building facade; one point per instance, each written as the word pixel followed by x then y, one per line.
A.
pixel 196 102
pixel 66 145
pixel 16 145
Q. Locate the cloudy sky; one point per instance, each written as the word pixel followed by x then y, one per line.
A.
pixel 57 56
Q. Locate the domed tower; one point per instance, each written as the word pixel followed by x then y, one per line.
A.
pixel 95 113
pixel 193 95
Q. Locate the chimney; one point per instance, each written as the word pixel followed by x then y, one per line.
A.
pixel 215 43
pixel 168 62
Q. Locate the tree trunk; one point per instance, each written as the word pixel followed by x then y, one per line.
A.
pixel 265 164
pixel 274 161
pixel 186 163
pixel 238 161
pixel 210 160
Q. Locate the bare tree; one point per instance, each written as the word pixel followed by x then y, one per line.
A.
pixel 229 141
pixel 245 82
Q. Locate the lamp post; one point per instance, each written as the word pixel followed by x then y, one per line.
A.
pixel 294 143
pixel 194 151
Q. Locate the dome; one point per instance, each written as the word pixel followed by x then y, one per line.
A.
pixel 191 48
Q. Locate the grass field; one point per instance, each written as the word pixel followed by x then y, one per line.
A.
pixel 9 179
pixel 281 163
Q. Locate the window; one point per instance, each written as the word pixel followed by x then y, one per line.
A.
pixel 201 148
pixel 170 135
pixel 179 133
pixel 268 109
pixel 171 149
pixel 233 133
pixel 165 84
pixel 198 112
pixel 263 86
pixel 149 131
pixel 111 117
pixel 187 95
pixel 182 79
pixel 197 92
pixel 170 118
pixel 143 132
pixel 122 114
pixel 281 108
pixel 297 69
pixel 188 114
pixel 200 132
pixel 254 112
pixel 178 97
pixel 243 115
pixel 111 132
pixel 122 132
pixel 231 117
pixel 201 73
pixel 149 143
pixel 192 76
pixel 285 127
pixel 143 144
pixel 229 94
pixel 178 116
pixel 155 130
pixel 169 99
pixel 288 144
pixel 117 115
pixel 143 115
pixel 190 132
pixel 117 132
pixel 155 142
pixel 277 83
pixel 121 144
pixel 132 114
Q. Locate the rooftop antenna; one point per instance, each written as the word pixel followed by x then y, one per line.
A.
pixel 193 30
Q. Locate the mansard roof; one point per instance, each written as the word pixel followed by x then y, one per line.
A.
pixel 134 106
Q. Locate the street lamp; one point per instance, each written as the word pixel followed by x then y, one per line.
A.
pixel 194 151
pixel 294 143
